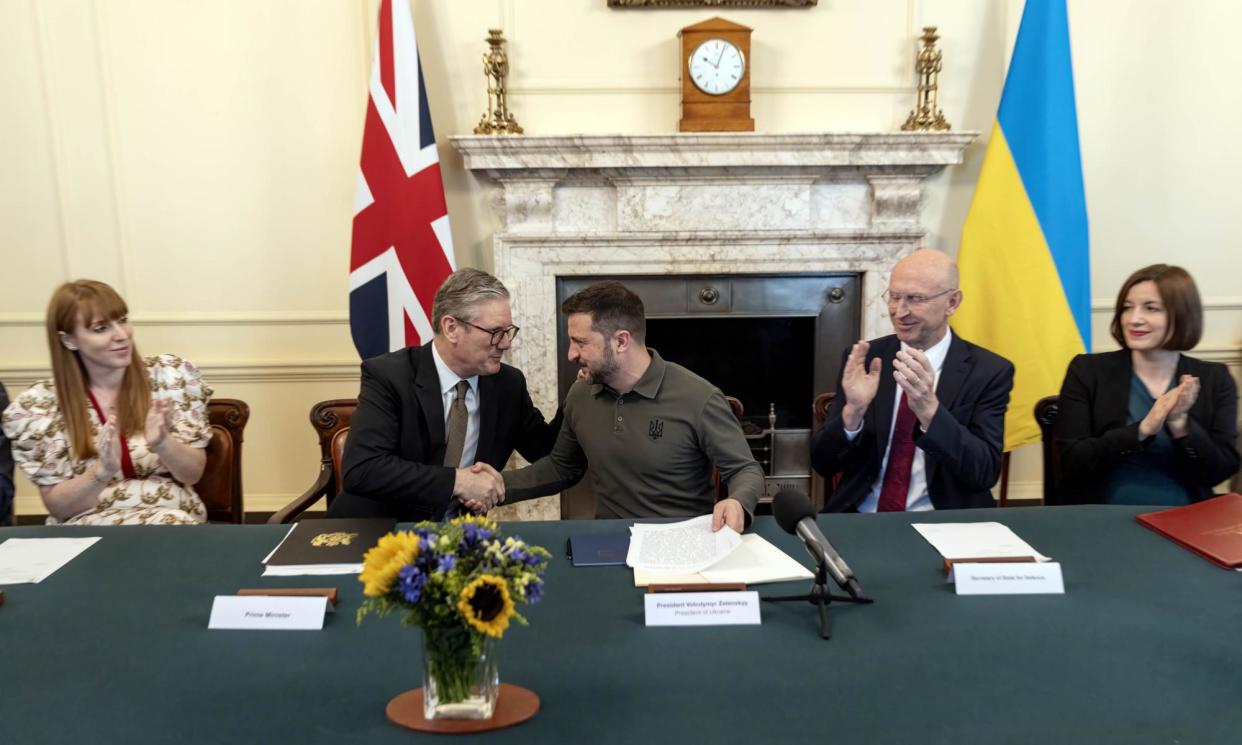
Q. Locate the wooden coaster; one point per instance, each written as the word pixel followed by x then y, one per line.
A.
pixel 514 705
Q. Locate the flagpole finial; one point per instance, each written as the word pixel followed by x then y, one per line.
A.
pixel 497 120
pixel 926 116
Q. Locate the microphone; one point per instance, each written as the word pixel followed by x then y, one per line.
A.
pixel 793 513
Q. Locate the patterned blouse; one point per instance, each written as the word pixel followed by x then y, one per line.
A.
pixel 41 449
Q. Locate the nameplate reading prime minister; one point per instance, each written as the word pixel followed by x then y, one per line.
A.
pixel 268 613
pixel 702 608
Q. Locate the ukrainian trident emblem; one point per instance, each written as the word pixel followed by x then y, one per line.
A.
pixel 655 429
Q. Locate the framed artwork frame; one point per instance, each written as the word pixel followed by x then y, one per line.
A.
pixel 712 3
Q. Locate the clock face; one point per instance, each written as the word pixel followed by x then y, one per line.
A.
pixel 716 67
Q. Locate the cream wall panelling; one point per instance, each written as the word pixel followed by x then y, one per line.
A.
pixel 642 44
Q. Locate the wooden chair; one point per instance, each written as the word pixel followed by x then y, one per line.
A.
pixel 1046 410
pixel 331 420
pixel 722 490
pixel 821 489
pixel 220 488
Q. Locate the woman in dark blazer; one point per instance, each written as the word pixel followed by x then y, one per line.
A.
pixel 1147 424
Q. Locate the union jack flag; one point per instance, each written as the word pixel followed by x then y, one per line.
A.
pixel 402 248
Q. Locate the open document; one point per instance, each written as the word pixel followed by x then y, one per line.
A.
pixel 34 559
pixel 983 541
pixel 752 561
pixel 680 548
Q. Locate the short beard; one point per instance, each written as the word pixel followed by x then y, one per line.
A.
pixel 607 369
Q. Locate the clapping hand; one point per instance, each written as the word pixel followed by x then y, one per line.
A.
pixel 159 422
pixel 859 384
pixel 1172 409
pixel 108 445
pixel 917 378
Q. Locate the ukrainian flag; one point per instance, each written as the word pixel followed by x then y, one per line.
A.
pixel 1024 261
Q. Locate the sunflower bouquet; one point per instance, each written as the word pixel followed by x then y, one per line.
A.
pixel 458 581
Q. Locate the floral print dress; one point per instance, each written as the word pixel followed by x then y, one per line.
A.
pixel 152 497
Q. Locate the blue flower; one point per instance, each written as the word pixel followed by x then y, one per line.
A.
pixel 472 535
pixel 534 591
pixel 410 583
pixel 447 563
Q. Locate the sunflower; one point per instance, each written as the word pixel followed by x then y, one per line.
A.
pixel 383 561
pixel 486 605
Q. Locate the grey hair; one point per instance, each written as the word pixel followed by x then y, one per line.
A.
pixel 461 294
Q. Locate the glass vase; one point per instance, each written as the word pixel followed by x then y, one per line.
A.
pixel 460 677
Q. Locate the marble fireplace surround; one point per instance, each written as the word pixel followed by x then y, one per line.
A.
pixel 720 203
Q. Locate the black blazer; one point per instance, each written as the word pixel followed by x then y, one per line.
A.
pixel 1093 437
pixel 393 455
pixel 962 448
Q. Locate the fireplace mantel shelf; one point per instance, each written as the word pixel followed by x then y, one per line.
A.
pixel 508 155
pixel 703 205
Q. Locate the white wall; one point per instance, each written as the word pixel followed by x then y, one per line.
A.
pixel 202 157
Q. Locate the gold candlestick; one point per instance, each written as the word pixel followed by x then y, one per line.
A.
pixel 926 116
pixel 497 120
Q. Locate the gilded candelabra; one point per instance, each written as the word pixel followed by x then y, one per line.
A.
pixel 926 116
pixel 497 120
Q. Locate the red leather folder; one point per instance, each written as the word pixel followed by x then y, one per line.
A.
pixel 1211 528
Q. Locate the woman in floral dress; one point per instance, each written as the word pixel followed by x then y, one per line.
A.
pixel 112 438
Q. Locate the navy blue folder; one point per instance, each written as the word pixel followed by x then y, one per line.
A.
pixel 598 549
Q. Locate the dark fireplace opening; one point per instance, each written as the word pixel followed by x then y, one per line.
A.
pixel 772 341
pixel 766 363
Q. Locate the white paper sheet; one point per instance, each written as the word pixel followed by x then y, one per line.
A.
pixel 755 562
pixel 679 548
pixel 25 560
pixel 976 541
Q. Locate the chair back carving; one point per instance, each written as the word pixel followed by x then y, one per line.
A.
pixel 220 487
pixel 819 407
pixel 1046 410
pixel 331 420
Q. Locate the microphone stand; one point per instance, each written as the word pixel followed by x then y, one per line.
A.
pixel 821 598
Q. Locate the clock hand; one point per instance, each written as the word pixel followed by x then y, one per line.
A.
pixel 719 57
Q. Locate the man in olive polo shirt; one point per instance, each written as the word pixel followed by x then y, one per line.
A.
pixel 650 429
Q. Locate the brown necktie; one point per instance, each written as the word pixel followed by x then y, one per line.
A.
pixel 456 427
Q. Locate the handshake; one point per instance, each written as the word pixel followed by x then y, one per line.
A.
pixel 479 488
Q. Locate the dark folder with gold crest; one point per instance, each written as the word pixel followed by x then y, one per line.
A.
pixel 327 546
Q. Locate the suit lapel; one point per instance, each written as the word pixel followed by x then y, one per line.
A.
pixel 953 373
pixel 489 412
pixel 883 404
pixel 427 390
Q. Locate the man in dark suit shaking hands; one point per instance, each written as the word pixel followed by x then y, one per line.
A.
pixel 436 423
pixel 919 418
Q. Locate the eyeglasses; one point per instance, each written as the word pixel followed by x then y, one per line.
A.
pixel 498 335
pixel 912 301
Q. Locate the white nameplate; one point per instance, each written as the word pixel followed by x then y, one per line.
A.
pixel 266 612
pixel 702 608
pixel 1029 578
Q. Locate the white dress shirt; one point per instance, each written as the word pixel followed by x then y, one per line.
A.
pixel 917 499
pixel 448 381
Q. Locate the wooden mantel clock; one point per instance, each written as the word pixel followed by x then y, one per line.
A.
pixel 715 77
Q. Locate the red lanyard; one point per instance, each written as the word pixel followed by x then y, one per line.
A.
pixel 127 464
